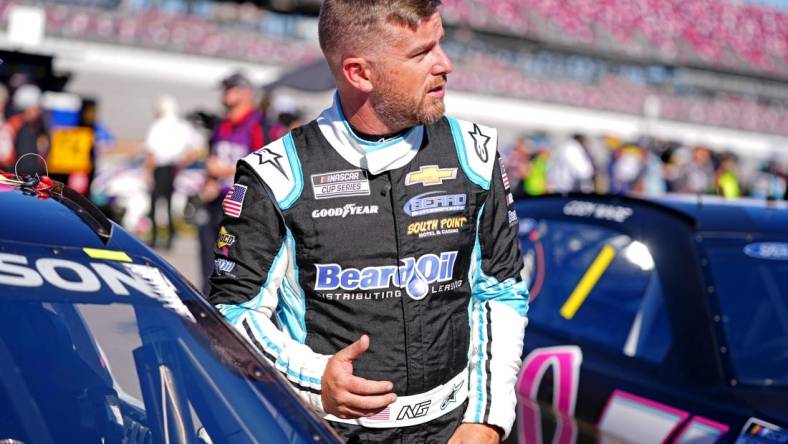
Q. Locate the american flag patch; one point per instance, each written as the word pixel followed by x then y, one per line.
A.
pixel 383 415
pixel 234 201
pixel 504 176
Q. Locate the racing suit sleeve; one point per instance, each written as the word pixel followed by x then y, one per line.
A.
pixel 253 285
pixel 499 304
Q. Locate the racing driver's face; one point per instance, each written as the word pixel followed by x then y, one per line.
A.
pixel 409 74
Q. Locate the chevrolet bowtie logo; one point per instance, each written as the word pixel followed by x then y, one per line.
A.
pixel 429 175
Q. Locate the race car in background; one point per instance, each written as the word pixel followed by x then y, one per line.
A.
pixel 122 189
pixel 101 341
pixel 654 322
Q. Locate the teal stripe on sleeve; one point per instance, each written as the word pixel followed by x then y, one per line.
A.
pixel 298 176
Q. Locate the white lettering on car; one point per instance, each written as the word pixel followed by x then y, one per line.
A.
pixel 87 282
pixel 17 275
pixel 118 281
pixel 15 271
pixel 580 208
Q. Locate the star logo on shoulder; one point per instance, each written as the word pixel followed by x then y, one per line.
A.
pixel 480 142
pixel 267 156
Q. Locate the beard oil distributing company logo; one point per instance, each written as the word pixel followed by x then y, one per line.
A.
pixel 415 275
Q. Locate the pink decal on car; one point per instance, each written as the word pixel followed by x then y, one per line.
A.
pixel 565 362
pixel 656 421
pixel 700 430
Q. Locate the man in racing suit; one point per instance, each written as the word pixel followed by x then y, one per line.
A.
pixel 377 265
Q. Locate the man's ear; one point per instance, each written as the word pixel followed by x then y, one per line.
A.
pixel 358 72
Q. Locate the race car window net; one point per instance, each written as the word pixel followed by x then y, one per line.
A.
pixel 594 284
pixel 752 293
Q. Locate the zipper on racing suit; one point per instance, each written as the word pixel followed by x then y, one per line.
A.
pixel 388 188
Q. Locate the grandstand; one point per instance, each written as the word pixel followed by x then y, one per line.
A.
pixel 703 62
pixel 712 33
pixel 742 37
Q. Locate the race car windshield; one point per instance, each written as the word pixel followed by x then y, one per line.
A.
pixel 751 283
pixel 111 354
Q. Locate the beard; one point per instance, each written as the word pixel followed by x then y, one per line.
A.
pixel 398 110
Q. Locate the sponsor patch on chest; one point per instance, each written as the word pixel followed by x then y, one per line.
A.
pixel 414 275
pixel 340 184
pixel 429 175
pixel 350 209
pixel 437 227
pixel 435 202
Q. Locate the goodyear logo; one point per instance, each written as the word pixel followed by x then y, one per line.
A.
pixel 429 175
pixel 343 212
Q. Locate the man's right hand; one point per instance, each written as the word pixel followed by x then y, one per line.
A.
pixel 347 396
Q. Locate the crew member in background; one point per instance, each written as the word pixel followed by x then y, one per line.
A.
pixel 168 140
pixel 727 180
pixel 237 135
pixel 571 167
pixel 697 175
pixel 529 164
pixel 7 154
pixel 26 131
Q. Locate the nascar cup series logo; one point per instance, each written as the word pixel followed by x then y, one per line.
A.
pixel 414 275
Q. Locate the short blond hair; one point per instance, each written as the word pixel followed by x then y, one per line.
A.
pixel 353 23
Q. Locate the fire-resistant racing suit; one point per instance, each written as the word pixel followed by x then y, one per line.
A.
pixel 412 241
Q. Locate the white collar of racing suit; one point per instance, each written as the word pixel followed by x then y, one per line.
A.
pixel 376 157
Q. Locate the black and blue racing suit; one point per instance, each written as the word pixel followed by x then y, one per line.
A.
pixel 412 241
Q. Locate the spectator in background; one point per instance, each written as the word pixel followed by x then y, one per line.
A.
pixel 529 161
pixel 27 132
pixel 288 117
pixel 518 154
pixel 652 179
pixel 6 143
pixel 727 178
pixel 290 120
pixel 518 165
pixel 571 167
pixel 168 140
pixel 697 175
pixel 626 168
pixel 768 183
pixel 264 108
pixel 238 134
